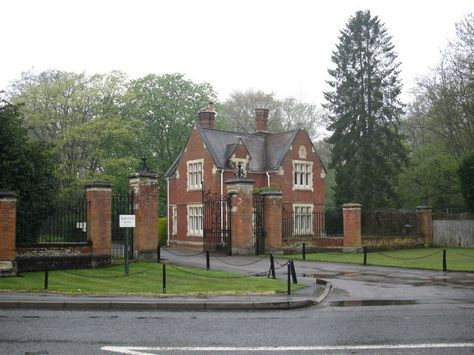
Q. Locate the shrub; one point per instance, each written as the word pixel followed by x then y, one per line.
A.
pixel 466 177
pixel 163 227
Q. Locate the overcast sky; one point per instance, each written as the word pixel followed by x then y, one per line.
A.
pixel 280 46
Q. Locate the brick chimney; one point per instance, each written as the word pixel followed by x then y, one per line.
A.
pixel 261 117
pixel 207 116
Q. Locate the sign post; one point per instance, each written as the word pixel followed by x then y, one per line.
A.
pixel 126 221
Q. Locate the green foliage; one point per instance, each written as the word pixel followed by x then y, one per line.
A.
pixel 364 108
pixel 270 188
pixel 164 107
pixel 163 227
pixel 27 168
pixel 80 116
pixel 430 179
pixel 466 176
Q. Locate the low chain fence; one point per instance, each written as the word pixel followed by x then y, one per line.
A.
pixel 268 272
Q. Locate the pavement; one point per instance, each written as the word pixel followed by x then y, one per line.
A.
pixel 346 283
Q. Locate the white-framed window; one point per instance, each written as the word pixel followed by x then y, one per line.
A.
pixel 195 174
pixel 302 175
pixel 175 220
pixel 303 219
pixel 195 220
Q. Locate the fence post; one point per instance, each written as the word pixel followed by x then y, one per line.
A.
pixel 8 201
pixel 241 214
pixel 144 185
pixel 164 278
pixel 288 277
pixel 125 251
pixel 272 267
pixel 425 224
pixel 445 267
pixel 352 226
pixel 46 274
pixel 273 209
pixel 293 272
pixel 99 220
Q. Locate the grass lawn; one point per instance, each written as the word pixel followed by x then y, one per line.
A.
pixel 457 259
pixel 145 278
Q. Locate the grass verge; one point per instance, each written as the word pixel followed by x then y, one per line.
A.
pixel 145 278
pixel 457 259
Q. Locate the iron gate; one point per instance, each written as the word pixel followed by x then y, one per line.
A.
pixel 64 222
pixel 216 214
pixel 122 203
pixel 258 223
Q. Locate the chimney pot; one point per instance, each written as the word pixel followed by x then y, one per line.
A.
pixel 261 117
pixel 207 116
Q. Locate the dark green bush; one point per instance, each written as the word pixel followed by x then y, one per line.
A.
pixel 163 227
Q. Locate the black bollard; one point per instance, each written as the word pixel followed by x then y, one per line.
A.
pixel 445 267
pixel 208 261
pixel 304 251
pixel 293 272
pixel 46 274
pixel 164 278
pixel 365 255
pixel 288 278
pixel 272 267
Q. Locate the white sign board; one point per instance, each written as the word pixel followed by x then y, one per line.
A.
pixel 127 221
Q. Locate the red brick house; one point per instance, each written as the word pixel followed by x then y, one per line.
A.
pixel 286 161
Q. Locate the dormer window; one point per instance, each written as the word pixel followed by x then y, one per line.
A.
pixel 195 175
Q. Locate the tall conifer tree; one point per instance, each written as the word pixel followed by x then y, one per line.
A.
pixel 364 115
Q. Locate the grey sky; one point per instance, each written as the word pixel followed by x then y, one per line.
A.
pixel 280 46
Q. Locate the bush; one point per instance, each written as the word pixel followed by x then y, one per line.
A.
pixel 163 227
pixel 466 177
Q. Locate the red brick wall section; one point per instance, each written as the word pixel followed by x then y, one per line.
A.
pixel 7 226
pixel 352 225
pixel 273 220
pixel 99 218
pixel 146 232
pixel 242 212
pixel 425 224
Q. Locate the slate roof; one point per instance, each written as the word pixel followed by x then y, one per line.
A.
pixel 267 151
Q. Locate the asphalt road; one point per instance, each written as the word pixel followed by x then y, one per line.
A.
pixel 326 329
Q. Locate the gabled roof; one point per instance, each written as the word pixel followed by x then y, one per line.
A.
pixel 267 151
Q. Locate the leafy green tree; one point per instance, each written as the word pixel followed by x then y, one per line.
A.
pixel 81 116
pixel 444 100
pixel 364 113
pixel 164 108
pixel 430 179
pixel 26 167
pixel 466 176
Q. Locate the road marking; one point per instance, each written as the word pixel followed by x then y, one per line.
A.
pixel 145 350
